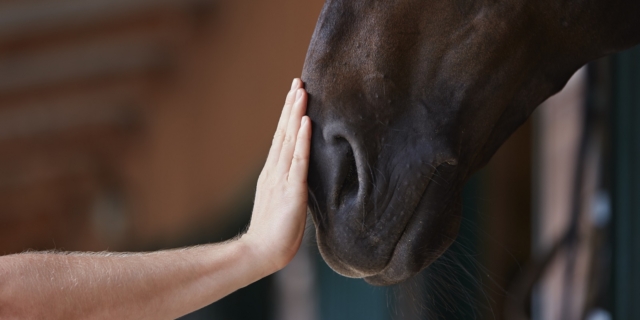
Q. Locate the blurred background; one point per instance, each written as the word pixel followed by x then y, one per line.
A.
pixel 137 125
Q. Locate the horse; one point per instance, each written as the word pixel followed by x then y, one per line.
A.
pixel 409 98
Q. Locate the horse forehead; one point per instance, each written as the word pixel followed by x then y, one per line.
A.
pixel 374 57
pixel 379 40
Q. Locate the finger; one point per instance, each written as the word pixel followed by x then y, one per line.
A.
pixel 276 144
pixel 300 162
pixel 293 125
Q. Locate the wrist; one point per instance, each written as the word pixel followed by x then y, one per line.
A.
pixel 266 261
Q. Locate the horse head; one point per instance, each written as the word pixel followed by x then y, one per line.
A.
pixel 410 97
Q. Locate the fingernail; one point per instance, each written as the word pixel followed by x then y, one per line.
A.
pixel 295 83
pixel 298 94
pixel 304 121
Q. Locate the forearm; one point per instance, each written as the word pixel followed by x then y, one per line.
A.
pixel 160 285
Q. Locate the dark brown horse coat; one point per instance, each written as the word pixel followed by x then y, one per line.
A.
pixel 410 97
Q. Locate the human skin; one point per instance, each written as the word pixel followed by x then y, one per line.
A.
pixel 168 284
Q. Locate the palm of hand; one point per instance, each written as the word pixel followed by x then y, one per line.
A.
pixel 279 213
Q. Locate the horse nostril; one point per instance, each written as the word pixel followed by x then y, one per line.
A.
pixel 349 170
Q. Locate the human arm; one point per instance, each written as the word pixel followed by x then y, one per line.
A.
pixel 168 284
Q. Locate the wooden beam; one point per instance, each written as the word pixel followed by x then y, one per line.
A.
pixel 46 118
pixel 19 19
pixel 82 62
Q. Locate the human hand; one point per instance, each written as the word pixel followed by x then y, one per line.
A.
pixel 280 207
